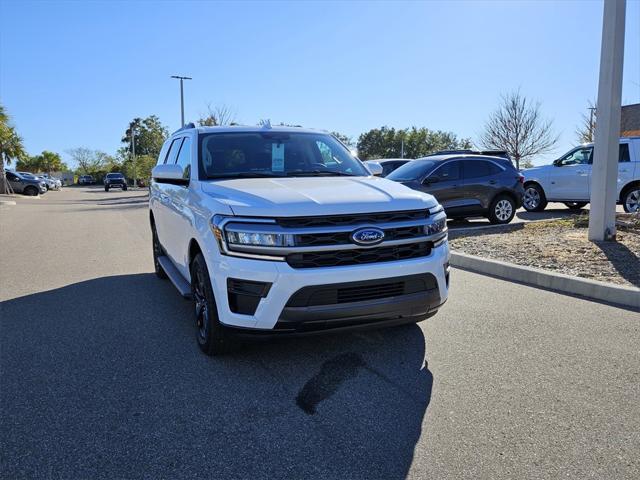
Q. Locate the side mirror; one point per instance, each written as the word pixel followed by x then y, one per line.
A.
pixel 374 167
pixel 429 180
pixel 557 163
pixel 169 174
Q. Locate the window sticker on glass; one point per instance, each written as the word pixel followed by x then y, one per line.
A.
pixel 277 157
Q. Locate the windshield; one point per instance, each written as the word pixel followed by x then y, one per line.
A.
pixel 411 171
pixel 275 154
pixel 114 175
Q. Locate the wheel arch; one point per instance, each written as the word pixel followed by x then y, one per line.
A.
pixel 194 249
pixel 627 187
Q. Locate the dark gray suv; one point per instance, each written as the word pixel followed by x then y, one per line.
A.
pixel 467 185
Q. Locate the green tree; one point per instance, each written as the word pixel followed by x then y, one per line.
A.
pixel 11 147
pixel 90 162
pixel 149 136
pixel 45 162
pixel 348 141
pixel 387 142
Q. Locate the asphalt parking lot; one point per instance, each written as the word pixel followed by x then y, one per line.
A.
pixel 101 377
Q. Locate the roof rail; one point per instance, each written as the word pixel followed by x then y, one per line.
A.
pixel 494 153
pixel 185 127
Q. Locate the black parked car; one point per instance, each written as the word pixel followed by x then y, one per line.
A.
pixel 467 185
pixel 113 180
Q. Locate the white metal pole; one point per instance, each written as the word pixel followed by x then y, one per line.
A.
pixel 604 173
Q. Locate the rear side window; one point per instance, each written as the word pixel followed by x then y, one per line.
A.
pixel 448 171
pixel 479 168
pixel 624 153
pixel 173 151
pixel 184 158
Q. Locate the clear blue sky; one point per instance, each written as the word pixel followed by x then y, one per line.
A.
pixel 74 73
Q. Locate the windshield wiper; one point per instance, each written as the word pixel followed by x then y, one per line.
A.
pixel 319 173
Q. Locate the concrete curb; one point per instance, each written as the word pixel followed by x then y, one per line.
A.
pixel 591 289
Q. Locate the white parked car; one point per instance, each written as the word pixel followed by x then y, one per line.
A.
pixel 276 231
pixel 568 179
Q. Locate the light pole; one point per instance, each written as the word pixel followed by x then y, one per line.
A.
pixel 181 97
pixel 133 152
pixel 604 172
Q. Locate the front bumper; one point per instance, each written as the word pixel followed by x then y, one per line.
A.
pixel 273 315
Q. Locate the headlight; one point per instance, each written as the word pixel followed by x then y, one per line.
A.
pixel 239 237
pixel 436 227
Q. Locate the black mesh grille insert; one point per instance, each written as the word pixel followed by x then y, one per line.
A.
pixel 359 256
pixel 318 295
pixel 352 219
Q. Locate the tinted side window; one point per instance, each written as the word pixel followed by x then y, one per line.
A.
pixel 624 153
pixel 580 156
pixel 173 151
pixel 479 168
pixel 448 171
pixel 10 176
pixel 184 158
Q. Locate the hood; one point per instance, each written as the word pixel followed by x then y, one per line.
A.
pixel 300 196
pixel 536 171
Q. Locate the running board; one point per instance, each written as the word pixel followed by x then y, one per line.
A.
pixel 175 276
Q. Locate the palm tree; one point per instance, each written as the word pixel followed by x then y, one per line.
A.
pixel 10 147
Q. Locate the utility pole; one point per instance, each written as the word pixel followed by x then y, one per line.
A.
pixel 604 173
pixel 181 97
pixel 133 152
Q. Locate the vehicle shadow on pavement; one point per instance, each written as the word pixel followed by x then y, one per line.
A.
pixel 103 379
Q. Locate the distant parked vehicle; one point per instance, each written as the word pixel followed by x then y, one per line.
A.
pixel 49 183
pixel 467 185
pixel 568 179
pixel 57 182
pixel 114 180
pixel 26 185
pixel 86 180
pixel 389 164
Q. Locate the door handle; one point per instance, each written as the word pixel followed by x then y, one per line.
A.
pixel 623 171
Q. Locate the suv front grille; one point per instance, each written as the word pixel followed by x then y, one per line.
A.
pixel 337 238
pixel 336 258
pixel 352 219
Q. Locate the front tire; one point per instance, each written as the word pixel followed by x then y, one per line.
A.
pixel 31 191
pixel 575 205
pixel 534 199
pixel 631 199
pixel 502 210
pixel 106 189
pixel 157 252
pixel 210 333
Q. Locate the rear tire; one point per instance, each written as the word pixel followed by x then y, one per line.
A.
pixel 630 199
pixel 124 188
pixel 31 191
pixel 502 210
pixel 210 333
pixel 575 205
pixel 534 199
pixel 157 252
pixel 106 189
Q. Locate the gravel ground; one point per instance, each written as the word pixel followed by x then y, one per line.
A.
pixel 561 246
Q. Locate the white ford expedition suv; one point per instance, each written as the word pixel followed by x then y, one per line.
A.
pixel 276 231
pixel 568 179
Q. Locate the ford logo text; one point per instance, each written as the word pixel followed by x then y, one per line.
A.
pixel 367 236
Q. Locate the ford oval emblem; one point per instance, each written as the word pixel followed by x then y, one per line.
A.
pixel 367 236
